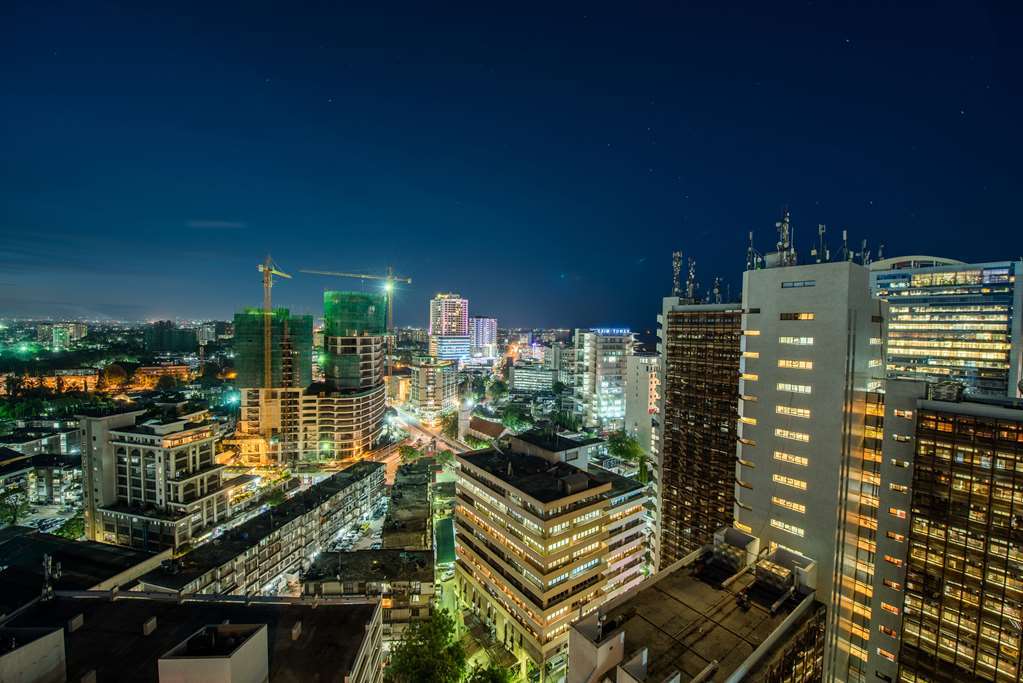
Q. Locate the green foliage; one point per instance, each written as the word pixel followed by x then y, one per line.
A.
pixel 475 443
pixel 489 674
pixel 498 389
pixel 567 420
pixel 428 652
pixel 445 457
pixel 517 418
pixel 558 388
pixel 13 506
pixel 275 498
pixel 74 528
pixel 408 454
pixel 449 424
pixel 624 447
pixel 166 383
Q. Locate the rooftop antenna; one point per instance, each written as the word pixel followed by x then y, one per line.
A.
pixel 846 254
pixel 717 290
pixel 880 252
pixel 753 258
pixel 821 250
pixel 51 573
pixel 691 283
pixel 786 252
pixel 864 254
pixel 676 273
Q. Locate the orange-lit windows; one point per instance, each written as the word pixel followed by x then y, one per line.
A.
pixel 795 364
pixel 791 459
pixel 793 412
pixel 893 560
pixel 797 316
pixel 889 608
pixel 789 434
pixel 788 504
pixel 789 481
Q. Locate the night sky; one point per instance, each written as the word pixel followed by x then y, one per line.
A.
pixel 544 164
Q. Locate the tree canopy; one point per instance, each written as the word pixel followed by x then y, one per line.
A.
pixel 624 447
pixel 428 652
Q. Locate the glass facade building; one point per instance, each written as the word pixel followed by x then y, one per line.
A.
pixel 954 321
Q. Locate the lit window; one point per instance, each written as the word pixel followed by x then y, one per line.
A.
pixel 743 527
pixel 902 438
pixel 899 463
pixel 796 341
pixel 794 388
pixel 792 529
pixel 791 459
pixel 797 316
pixel 895 537
pixel 886 654
pixel 748 397
pixel 798 283
pixel 893 560
pixel 789 481
pixel 749 377
pixel 874 363
pixel 748 420
pixel 751 354
pixel 795 364
pixel 894 585
pixel 752 333
pixel 908 414
pixel 792 412
pixel 788 504
pixel 896 512
pixel 900 488
pixel 794 436
pixel 875 341
pixel 889 608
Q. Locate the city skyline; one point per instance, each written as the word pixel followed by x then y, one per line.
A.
pixel 356 141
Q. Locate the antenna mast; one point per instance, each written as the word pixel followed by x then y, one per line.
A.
pixel 676 273
pixel 786 253
pixel 691 283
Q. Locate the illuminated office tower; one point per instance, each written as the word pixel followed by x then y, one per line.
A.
pixel 811 354
pixel 599 375
pixel 699 368
pixel 953 321
pixel 434 387
pixel 483 336
pixel 964 575
pixel 449 316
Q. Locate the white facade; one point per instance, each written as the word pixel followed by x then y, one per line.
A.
pixel 811 353
pixel 642 381
pixel 434 388
pixel 449 315
pixel 483 336
pixel 530 378
pixel 599 376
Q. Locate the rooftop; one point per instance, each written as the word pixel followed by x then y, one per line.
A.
pixel 236 541
pixel 83 564
pixel 409 513
pixel 373 565
pixel 539 478
pixel 556 443
pixel 111 642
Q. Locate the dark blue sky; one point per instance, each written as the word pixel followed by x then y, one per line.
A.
pixel 543 163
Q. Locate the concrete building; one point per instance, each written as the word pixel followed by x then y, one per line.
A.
pixel 540 541
pixel 409 521
pixel 148 639
pixel 599 376
pixel 434 387
pixel 558 358
pixel 954 321
pixel 164 336
pixel 450 347
pixel 403 581
pixel 56 480
pixel 250 558
pixel 642 384
pixel 530 378
pixel 150 479
pixel 805 480
pixel 699 348
pixel 726 612
pixel 449 316
pixel 483 336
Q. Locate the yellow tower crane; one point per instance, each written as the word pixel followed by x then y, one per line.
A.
pixel 389 280
pixel 268 269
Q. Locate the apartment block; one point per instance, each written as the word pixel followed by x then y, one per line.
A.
pixel 642 396
pixel 699 348
pixel 150 479
pixel 250 558
pixel 434 387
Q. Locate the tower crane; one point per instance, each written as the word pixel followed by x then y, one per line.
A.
pixel 268 268
pixel 389 280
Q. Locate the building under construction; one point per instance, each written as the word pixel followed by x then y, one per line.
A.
pixel 291 344
pixel 699 346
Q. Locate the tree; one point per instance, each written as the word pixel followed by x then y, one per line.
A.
pixel 449 424
pixel 13 505
pixel 624 447
pixel 498 389
pixel 113 376
pixel 558 388
pixel 490 674
pixel 428 652
pixel 516 418
pixel 445 457
pixel 73 528
pixel 166 383
pixel 408 453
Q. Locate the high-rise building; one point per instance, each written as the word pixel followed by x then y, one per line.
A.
pixel 642 381
pixel 483 336
pixel 954 321
pixel 963 590
pixel 806 480
pixel 449 316
pixel 342 417
pixel 540 541
pixel 450 347
pixel 434 387
pixel 599 375
pixel 151 481
pixel 164 336
pixel 291 344
pixel 699 348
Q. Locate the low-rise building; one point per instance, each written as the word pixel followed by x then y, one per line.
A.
pixel 101 637
pixel 401 579
pixel 409 521
pixel 530 378
pixel 484 429
pixel 283 540
pixel 56 480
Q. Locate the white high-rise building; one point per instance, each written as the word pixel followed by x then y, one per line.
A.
pixel 599 375
pixel 483 336
pixel 807 472
pixel 449 316
pixel 642 381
